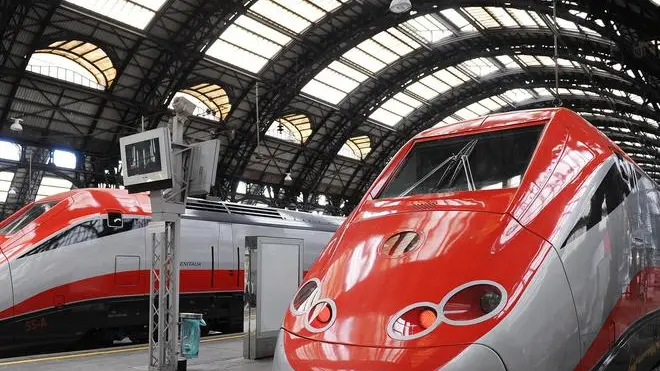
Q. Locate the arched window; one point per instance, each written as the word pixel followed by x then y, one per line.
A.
pixel 74 61
pixel 356 148
pixel 51 186
pixel 292 128
pixel 211 100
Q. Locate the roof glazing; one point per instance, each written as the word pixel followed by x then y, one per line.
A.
pixel 135 13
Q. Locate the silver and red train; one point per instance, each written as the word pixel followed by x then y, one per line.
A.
pixel 517 241
pixel 76 266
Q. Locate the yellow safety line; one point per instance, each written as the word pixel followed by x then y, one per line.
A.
pixel 103 352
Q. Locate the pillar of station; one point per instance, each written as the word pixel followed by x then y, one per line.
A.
pixel 273 272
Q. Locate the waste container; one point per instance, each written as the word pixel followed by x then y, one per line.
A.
pixel 190 333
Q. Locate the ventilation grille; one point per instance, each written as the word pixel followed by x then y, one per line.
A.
pixel 400 244
pixel 232 209
pixel 424 205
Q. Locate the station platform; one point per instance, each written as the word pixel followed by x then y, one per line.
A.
pixel 224 352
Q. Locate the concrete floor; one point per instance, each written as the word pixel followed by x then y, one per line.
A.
pixel 218 353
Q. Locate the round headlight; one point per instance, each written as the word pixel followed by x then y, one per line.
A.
pixel 489 301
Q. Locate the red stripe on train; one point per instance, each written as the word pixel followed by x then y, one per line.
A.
pixel 130 283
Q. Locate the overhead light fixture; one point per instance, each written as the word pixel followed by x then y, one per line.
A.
pixel 16 124
pixel 288 177
pixel 12 191
pixel 400 6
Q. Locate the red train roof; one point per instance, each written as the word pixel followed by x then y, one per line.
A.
pixel 492 121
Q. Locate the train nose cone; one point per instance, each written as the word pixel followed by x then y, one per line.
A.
pixel 369 285
pixel 300 354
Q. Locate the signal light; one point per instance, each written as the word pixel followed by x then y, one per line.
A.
pixel 427 318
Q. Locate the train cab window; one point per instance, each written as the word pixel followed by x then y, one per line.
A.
pixel 27 217
pixel 492 160
pixel 607 197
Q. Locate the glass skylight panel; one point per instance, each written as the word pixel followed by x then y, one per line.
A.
pixel 386 117
pixel 334 82
pixel 365 60
pixel 523 17
pixel 517 95
pixel 546 61
pixel 428 28
pixel 320 90
pixel 543 92
pixel 378 51
pixel 451 76
pixel 248 44
pixel 528 60
pixel 479 67
pixel 51 186
pixel 136 13
pixel 502 16
pixel 436 81
pixel 482 17
pixel 457 20
pixel 285 17
pixel 466 114
pixel 507 61
pixel 396 41
pixel 395 109
pixel 491 104
pixel 478 109
pixel 424 91
pixel 10 151
pixel 64 159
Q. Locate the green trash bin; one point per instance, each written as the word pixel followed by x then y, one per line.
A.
pixel 190 334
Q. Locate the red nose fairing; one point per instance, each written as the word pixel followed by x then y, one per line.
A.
pixel 457 245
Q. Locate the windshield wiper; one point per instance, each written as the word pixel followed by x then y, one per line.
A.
pixel 467 151
pixel 428 175
pixel 468 147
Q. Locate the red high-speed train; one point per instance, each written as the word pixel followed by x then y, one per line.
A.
pixel 517 241
pixel 76 265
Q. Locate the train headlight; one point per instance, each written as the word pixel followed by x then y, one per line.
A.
pixel 489 301
pixel 306 296
pixel 473 302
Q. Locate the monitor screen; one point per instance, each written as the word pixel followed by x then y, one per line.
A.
pixel 143 157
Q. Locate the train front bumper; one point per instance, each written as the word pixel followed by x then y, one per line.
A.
pixel 294 353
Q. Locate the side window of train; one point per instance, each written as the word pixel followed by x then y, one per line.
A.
pixel 608 196
pixel 89 230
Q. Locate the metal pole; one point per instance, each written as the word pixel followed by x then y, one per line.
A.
pixel 164 281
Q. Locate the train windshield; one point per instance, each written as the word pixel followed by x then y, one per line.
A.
pixel 493 160
pixel 27 217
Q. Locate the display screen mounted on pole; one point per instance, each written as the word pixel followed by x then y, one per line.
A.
pixel 146 160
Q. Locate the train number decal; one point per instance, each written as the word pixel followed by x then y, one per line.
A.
pixel 35 324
